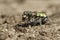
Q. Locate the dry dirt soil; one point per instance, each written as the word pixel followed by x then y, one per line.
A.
pixel 10 15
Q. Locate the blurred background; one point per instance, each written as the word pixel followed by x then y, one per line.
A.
pixel 14 6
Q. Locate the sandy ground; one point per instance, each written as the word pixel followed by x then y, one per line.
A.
pixel 10 15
